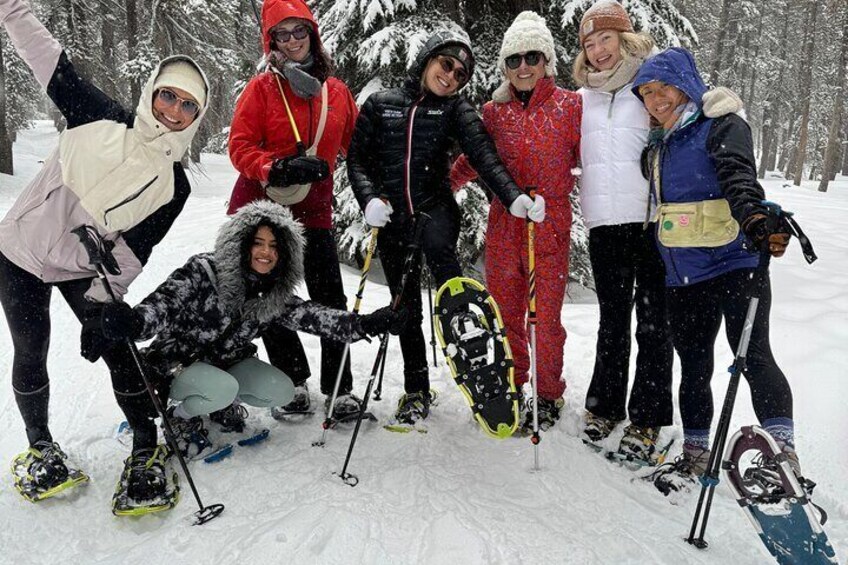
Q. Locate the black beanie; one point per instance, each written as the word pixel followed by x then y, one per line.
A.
pixel 458 52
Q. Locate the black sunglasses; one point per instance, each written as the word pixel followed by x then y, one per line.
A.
pixel 532 59
pixel 449 66
pixel 283 35
pixel 188 107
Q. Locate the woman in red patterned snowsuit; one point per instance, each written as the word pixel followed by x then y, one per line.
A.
pixel 536 128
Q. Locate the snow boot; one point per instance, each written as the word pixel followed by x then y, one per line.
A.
pixel 230 419
pixel 413 408
pixel 346 407
pixel 190 435
pixel 300 404
pixel 596 430
pixel 549 413
pixel 681 474
pixel 639 446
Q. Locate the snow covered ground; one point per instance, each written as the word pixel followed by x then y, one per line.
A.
pixel 449 496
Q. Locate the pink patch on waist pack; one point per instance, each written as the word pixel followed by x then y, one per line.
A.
pixel 683 221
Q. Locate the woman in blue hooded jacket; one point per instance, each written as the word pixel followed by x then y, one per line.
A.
pixel 711 226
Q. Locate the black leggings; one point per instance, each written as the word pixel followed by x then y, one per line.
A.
pixel 628 271
pixel 439 245
pixel 26 303
pixel 695 313
pixel 324 283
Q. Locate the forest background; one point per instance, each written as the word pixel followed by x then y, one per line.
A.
pixel 785 58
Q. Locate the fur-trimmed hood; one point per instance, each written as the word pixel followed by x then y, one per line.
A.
pixel 230 260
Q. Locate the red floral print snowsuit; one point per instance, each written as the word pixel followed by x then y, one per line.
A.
pixel 539 145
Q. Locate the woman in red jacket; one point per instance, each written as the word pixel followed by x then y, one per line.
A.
pixel 290 123
pixel 536 128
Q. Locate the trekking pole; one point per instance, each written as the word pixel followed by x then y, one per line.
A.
pixel 710 478
pixel 328 421
pixel 531 318
pixel 378 392
pixel 409 264
pixel 432 323
pixel 98 254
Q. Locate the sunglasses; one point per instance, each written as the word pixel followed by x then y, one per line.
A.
pixel 532 59
pixel 284 35
pixel 188 107
pixel 450 66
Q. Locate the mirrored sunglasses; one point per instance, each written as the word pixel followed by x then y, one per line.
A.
pixel 169 98
pixel 284 35
pixel 532 59
pixel 449 65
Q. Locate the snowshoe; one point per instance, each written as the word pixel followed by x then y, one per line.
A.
pixel 596 430
pixel 301 405
pixel 776 499
pixel 148 484
pixel 41 472
pixel 472 336
pixel 413 408
pixel 638 448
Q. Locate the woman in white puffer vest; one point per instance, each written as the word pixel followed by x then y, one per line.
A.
pixel 626 266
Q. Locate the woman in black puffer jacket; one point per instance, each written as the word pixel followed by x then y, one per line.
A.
pixel 399 162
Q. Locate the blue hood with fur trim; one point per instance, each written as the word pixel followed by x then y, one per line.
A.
pixel 675 66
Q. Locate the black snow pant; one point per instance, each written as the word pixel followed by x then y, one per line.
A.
pixel 26 303
pixel 324 285
pixel 697 312
pixel 628 271
pixel 439 240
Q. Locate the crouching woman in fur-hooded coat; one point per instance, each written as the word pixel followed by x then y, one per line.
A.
pixel 204 317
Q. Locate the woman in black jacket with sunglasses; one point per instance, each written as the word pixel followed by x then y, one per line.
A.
pixel 398 163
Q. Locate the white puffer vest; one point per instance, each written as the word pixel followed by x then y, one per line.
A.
pixel 614 132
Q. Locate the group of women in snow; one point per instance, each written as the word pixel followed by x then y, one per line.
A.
pixel 645 130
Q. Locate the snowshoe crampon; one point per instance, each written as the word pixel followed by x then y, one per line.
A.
pixel 773 497
pixel 124 505
pixel 472 335
pixel 33 490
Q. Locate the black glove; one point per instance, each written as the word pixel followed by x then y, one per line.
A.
pixel 118 321
pixel 768 234
pixel 383 320
pixel 298 169
pixel 92 341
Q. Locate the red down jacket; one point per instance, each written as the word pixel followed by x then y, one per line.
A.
pixel 539 145
pixel 261 132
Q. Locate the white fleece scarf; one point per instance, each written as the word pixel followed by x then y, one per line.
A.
pixel 122 175
pixel 613 79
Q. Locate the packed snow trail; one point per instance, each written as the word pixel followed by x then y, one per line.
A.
pixel 451 495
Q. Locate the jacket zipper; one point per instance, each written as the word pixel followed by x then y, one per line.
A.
pixel 408 160
pixel 128 199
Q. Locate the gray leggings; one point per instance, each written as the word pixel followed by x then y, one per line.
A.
pixel 203 388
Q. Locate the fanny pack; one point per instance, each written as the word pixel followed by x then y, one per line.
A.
pixel 705 223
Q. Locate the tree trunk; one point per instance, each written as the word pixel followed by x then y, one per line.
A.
pixel 831 154
pixel 108 55
pixel 132 48
pixel 722 35
pixel 6 158
pixel 805 64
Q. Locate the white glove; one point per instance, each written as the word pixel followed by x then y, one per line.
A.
pixel 378 213
pixel 526 207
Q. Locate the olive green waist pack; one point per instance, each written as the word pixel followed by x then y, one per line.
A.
pixel 707 223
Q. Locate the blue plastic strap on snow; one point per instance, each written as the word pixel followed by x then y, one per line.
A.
pixel 707 481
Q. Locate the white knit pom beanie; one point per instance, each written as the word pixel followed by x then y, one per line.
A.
pixel 529 32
